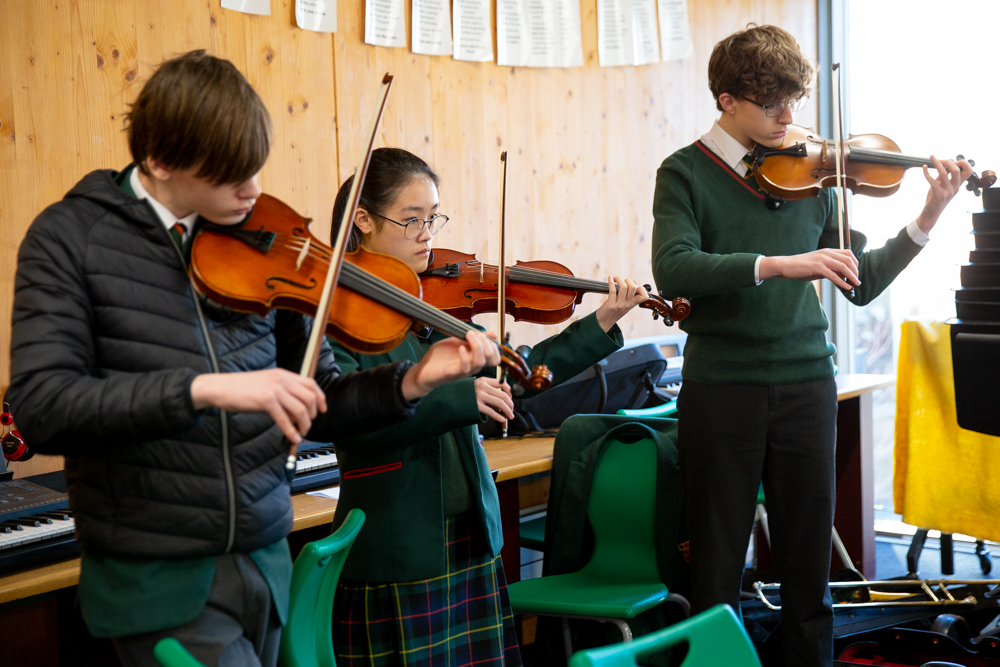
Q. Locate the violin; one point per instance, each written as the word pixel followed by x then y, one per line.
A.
pixel 874 165
pixel 270 260
pixel 541 292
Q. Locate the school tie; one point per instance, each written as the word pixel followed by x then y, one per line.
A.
pixel 748 177
pixel 177 233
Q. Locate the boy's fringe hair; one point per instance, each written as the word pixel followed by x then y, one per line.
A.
pixel 762 63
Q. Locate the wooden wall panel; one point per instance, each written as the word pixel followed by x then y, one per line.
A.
pixel 583 143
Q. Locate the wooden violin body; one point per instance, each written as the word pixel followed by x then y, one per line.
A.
pixel 237 275
pixel 542 292
pixel 272 261
pixel 805 163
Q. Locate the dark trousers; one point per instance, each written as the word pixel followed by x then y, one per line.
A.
pixel 730 438
pixel 238 627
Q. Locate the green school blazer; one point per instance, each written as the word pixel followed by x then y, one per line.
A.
pixel 394 474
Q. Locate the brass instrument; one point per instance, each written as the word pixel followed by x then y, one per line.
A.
pixel 935 589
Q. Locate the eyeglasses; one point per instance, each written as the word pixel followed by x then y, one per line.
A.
pixel 413 226
pixel 777 108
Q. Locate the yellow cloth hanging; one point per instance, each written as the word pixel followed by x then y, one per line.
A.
pixel 945 476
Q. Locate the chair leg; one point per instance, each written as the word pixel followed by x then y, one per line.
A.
pixel 762 518
pixel 913 553
pixel 682 601
pixel 841 550
pixel 623 626
pixel 567 639
pixel 947 554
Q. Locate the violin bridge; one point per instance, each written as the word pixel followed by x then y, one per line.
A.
pixel 302 254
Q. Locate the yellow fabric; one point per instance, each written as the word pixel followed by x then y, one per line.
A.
pixel 945 476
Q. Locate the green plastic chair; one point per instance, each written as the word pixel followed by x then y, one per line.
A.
pixel 532 533
pixel 658 411
pixel 622 579
pixel 171 653
pixel 307 638
pixel 715 638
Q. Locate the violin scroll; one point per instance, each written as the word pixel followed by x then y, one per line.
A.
pixel 538 378
pixel 977 183
pixel 675 311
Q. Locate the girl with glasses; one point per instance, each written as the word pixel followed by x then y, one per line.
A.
pixel 424 582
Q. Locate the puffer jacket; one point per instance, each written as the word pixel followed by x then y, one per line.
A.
pixel 107 339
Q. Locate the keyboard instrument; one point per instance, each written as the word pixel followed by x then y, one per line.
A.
pixel 316 465
pixel 37 527
pixel 35 522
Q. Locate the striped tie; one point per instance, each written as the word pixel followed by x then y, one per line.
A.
pixel 177 233
pixel 749 177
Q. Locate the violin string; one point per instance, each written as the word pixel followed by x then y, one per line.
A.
pixel 408 304
pixel 544 278
pixel 398 299
pixel 518 274
pixel 880 156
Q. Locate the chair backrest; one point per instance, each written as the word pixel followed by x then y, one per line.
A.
pixel 307 638
pixel 714 638
pixel 171 653
pixel 622 511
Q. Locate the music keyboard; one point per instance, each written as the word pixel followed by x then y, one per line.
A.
pixel 37 527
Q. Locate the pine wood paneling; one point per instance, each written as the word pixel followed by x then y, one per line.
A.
pixel 583 143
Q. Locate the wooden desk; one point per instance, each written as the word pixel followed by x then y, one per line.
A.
pixel 516 457
pixel 510 458
pixel 855 511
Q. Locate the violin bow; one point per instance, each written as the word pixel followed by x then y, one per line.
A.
pixel 337 256
pixel 838 119
pixel 502 271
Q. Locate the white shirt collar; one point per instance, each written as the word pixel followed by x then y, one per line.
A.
pixel 726 147
pixel 162 212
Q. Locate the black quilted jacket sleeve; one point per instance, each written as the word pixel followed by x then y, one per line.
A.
pixel 64 402
pixel 357 402
pixel 60 405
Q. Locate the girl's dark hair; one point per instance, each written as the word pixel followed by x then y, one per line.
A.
pixel 390 170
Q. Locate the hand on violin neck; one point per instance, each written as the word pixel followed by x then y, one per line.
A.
pixel 291 400
pixel 838 266
pixel 447 360
pixel 624 294
pixel 950 177
pixel 494 399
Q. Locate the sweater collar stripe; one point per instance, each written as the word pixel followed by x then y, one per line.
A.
pixel 728 170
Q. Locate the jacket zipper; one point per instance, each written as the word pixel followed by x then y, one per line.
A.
pixel 227 463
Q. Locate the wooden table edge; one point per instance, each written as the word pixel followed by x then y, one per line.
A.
pixel 63 574
pixel 871 383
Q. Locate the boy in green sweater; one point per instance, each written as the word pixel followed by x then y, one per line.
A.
pixel 759 400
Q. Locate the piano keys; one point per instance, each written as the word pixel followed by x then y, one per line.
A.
pixel 36 525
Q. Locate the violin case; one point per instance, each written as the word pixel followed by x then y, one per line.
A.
pixel 625 379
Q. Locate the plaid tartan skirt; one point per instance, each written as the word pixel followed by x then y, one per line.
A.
pixel 459 619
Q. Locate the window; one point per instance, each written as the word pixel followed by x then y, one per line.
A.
pixel 918 75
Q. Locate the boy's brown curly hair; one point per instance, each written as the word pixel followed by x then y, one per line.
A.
pixel 763 63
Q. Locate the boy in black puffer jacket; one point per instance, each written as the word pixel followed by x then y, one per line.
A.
pixel 170 415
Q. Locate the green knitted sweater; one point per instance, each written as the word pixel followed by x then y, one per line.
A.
pixel 709 228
